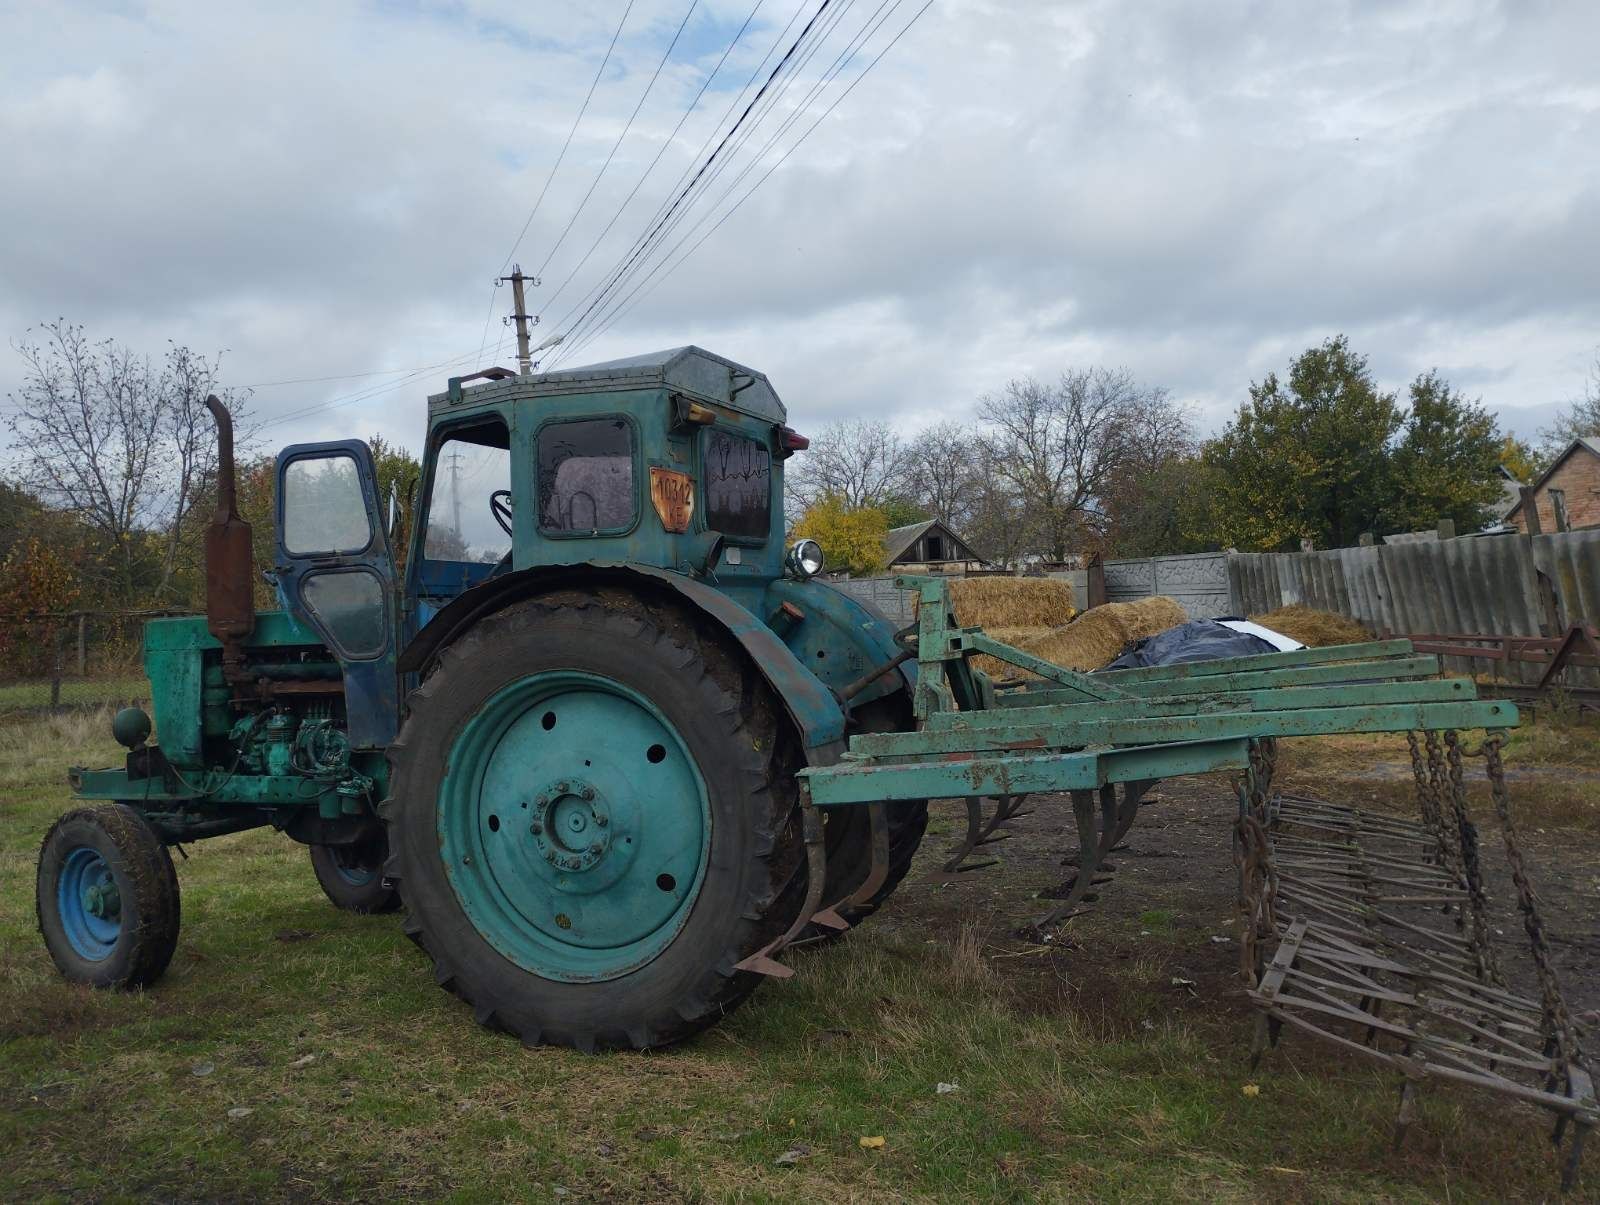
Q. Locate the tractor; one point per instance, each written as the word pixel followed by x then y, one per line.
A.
pixel 566 736
pixel 611 745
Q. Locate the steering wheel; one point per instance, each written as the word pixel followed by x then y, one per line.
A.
pixel 500 508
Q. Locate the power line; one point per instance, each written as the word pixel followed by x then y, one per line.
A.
pixel 665 143
pixel 554 167
pixel 618 314
pixel 684 192
pixel 596 311
pixel 693 4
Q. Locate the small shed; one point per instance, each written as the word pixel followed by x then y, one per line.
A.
pixel 1567 495
pixel 930 547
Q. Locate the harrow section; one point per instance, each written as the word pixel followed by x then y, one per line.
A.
pixel 1384 941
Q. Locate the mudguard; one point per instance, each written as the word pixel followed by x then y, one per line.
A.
pixel 816 712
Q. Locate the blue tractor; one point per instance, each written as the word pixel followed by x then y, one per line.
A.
pixel 566 737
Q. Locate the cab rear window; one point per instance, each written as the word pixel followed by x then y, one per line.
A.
pixel 738 485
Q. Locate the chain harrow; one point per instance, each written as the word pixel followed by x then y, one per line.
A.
pixel 1355 902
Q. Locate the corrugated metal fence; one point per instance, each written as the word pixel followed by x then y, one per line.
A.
pixel 1503 584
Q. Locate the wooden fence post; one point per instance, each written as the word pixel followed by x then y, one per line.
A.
pixel 83 644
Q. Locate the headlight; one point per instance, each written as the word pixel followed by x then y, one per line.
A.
pixel 804 559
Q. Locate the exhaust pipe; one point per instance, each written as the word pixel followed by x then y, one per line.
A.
pixel 230 592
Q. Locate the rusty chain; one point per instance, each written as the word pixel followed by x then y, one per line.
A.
pixel 1472 872
pixel 1557 1025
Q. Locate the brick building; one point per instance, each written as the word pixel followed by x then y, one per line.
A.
pixel 1568 494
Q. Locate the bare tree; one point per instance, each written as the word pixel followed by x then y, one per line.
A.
pixel 942 470
pixel 1059 447
pixel 859 461
pixel 1581 417
pixel 124 444
pixel 996 517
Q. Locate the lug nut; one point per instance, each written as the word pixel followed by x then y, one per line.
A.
pixel 586 792
pixel 601 820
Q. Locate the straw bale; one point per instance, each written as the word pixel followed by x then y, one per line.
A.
pixel 1313 627
pixel 1011 602
pixel 1016 637
pixel 1095 637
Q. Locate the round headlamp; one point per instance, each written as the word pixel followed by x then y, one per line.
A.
pixel 804 559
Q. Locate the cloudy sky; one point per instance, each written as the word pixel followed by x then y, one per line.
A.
pixel 1194 191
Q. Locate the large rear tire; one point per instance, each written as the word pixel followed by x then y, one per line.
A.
pixel 593 818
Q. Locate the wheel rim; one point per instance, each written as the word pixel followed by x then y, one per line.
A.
pixel 89 903
pixel 574 826
pixel 357 865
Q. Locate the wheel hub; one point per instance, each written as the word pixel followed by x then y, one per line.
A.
pixel 102 900
pixel 574 825
pixel 571 825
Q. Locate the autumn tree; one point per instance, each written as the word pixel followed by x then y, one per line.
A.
pixel 851 536
pixel 1519 459
pixel 37 584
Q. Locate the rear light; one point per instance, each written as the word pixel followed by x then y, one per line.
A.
pixel 792 440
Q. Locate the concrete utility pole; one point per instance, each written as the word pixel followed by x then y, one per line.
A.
pixel 521 317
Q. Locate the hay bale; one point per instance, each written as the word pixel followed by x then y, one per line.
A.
pixel 1313 627
pixel 1016 637
pixel 1011 602
pixel 1094 638
pixel 1097 636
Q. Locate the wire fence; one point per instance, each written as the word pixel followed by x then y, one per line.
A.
pixel 75 659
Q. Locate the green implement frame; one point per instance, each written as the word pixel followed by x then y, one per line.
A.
pixel 1075 732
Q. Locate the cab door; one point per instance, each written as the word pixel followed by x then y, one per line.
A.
pixel 336 573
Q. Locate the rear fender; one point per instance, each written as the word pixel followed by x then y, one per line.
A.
pixel 816 712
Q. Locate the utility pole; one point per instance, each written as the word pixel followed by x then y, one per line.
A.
pixel 521 317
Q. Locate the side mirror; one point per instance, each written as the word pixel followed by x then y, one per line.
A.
pixel 392 525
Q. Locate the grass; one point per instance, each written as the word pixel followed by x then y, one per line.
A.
pixel 101 1094
pixel 90 692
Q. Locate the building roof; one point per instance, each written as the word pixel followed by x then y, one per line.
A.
pixel 1588 443
pixel 689 370
pixel 898 540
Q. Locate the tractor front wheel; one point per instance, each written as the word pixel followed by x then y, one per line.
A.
pixel 593 820
pixel 107 898
pixel 352 875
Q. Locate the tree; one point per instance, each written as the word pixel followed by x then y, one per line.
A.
pixel 859 461
pixel 1446 465
pixel 941 471
pixel 1308 458
pixel 1060 448
pixel 1520 460
pixel 398 473
pixel 996 517
pixel 1581 417
pixel 851 536
pixel 123 444
pixel 35 580
pixel 1154 503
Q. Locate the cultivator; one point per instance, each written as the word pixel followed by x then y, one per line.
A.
pixel 1104 739
pixel 1384 941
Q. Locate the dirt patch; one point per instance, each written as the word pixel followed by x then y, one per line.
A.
pixel 1162 935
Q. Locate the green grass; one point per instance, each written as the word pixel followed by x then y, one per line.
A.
pixel 75 692
pixel 406 1097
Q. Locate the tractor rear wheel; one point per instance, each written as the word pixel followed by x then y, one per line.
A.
pixel 352 876
pixel 593 818
pixel 107 898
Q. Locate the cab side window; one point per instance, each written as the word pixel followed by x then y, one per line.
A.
pixel 738 485
pixel 586 476
pixel 473 464
pixel 323 510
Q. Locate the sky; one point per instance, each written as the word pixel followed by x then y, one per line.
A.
pixel 1195 192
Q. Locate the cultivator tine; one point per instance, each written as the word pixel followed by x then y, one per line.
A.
pixel 981 831
pixel 763 962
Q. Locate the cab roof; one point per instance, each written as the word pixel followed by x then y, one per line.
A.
pixel 691 371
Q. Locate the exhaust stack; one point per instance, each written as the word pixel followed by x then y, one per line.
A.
pixel 230 593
